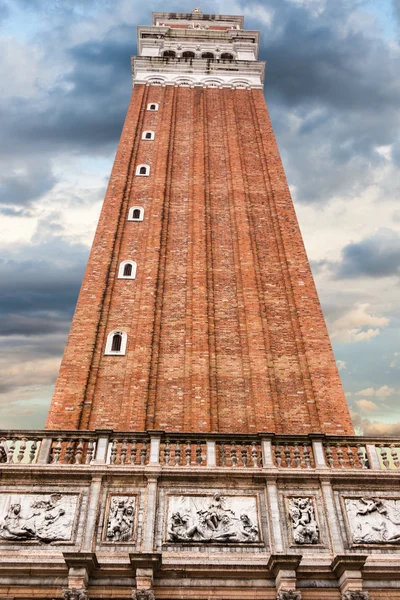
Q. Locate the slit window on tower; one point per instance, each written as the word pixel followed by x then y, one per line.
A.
pixel 169 54
pixel 127 270
pixel 143 170
pixel 188 54
pixel 136 213
pixel 227 56
pixel 208 55
pixel 148 135
pixel 116 343
pixel 152 106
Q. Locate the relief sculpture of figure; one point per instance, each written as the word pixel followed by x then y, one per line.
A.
pixel 374 520
pixel 304 524
pixel 121 520
pixel 210 521
pixel 44 521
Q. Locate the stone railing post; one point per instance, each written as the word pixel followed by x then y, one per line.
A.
pixel 44 451
pixel 266 452
pixel 318 451
pixel 155 445
pixel 373 457
pixel 211 453
pixel 102 441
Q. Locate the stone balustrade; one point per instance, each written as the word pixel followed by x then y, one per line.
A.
pixel 174 450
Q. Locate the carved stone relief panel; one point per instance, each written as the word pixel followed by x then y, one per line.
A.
pixel 75 594
pixel 212 518
pixel 373 520
pixel 121 519
pixel 289 595
pixel 303 520
pixel 355 595
pixel 38 517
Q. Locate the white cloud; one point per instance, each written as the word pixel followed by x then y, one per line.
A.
pixel 357 325
pixel 366 405
pixel 367 392
pixel 385 392
pixel 341 365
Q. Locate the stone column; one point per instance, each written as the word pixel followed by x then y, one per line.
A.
pixel 80 566
pixel 348 570
pixel 91 513
pixel 333 524
pixel 283 567
pixel 272 495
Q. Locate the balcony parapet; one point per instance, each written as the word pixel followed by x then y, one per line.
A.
pixel 220 451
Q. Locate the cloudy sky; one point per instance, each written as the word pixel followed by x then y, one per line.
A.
pixel 333 89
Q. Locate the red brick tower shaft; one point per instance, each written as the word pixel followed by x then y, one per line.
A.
pixel 223 326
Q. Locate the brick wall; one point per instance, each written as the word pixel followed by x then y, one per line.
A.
pixel 225 330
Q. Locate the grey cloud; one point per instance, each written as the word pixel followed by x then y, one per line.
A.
pixel 376 256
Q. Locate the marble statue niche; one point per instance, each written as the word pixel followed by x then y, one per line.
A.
pixel 121 519
pixel 44 518
pixel 373 520
pixel 216 518
pixel 304 524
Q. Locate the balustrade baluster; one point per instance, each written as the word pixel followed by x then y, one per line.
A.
pixel 177 454
pixel 188 453
pixel 361 457
pixel 143 453
pixel 57 451
pixel 278 456
pixel 384 455
pixel 69 452
pixel 133 452
pixel 167 451
pixel 32 452
pixel 90 452
pixel 297 456
pixel 306 454
pixel 79 452
pixel 233 455
pixel 114 450
pixel 124 450
pixel 198 454
pixel 244 454
pixel 288 456
pixel 339 454
pixel 329 456
pixel 222 454
pixel 22 449
pixel 395 455
pixel 254 455
pixel 350 455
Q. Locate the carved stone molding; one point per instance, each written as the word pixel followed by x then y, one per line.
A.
pixel 355 595
pixel 289 595
pixel 143 595
pixel 75 594
pixel 195 518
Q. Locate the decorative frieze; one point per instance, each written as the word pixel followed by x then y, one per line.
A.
pixel 373 520
pixel 289 595
pixel 143 595
pixel 44 518
pixel 217 518
pixel 305 528
pixel 75 594
pixel 121 519
pixel 355 595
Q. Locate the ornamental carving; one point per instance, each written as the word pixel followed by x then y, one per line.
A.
pixel 304 524
pixel 121 517
pixel 213 519
pixel 143 595
pixel 46 518
pixel 374 520
pixel 75 594
pixel 355 595
pixel 289 595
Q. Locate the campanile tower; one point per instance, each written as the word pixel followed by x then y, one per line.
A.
pixel 198 311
